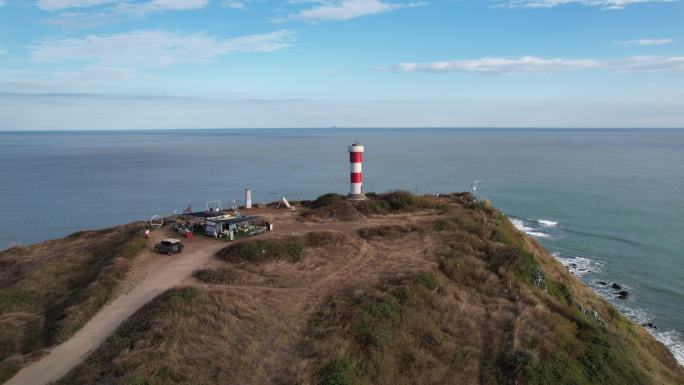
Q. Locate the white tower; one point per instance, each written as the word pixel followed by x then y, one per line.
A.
pixel 248 198
pixel 356 173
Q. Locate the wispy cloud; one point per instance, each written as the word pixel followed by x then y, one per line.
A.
pixel 647 42
pixel 153 48
pixel 160 5
pixel 52 5
pixel 151 5
pixel 531 64
pixel 604 4
pixel 338 10
pixel 234 4
pixel 77 14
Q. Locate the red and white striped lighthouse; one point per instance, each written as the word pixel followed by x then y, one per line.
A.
pixel 356 174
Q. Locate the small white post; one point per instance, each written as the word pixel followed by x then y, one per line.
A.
pixel 248 198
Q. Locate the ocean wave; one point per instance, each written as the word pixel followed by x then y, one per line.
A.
pixel 520 225
pixel 579 266
pixel 547 223
pixel 537 234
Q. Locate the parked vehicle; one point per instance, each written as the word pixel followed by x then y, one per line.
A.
pixel 169 246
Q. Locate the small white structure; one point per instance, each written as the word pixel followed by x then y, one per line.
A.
pixel 287 204
pixel 248 198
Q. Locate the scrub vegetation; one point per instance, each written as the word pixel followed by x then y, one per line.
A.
pixel 48 291
pixel 335 206
pixel 262 251
pixel 419 290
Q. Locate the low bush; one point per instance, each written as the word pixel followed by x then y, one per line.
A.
pixel 262 251
pixel 385 231
pixel 216 276
pixel 338 372
pixel 375 325
pixel 427 281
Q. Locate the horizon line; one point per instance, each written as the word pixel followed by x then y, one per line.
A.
pixel 341 128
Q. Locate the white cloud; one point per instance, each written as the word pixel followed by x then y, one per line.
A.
pixel 160 5
pixel 646 42
pixel 531 64
pixel 234 5
pixel 347 9
pixel 153 48
pixel 124 6
pixel 115 10
pixel 51 5
pixel 495 65
pixel 604 4
pixel 650 64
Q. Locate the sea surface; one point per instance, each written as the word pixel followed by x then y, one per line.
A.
pixel 609 204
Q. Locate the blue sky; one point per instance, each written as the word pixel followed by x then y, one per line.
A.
pixel 146 64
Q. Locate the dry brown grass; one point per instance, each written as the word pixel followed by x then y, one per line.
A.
pixel 49 290
pixel 441 296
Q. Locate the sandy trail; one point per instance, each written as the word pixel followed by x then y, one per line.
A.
pixel 163 276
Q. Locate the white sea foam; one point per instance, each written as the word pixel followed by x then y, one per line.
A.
pixel 673 340
pixel 520 225
pixel 537 234
pixel 547 223
pixel 670 338
pixel 579 265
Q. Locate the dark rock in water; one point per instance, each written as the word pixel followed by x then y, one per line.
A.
pixel 573 265
pixel 617 286
pixel 602 283
pixel 649 325
pixel 623 294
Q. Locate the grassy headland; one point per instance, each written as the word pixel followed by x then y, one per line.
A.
pixel 399 289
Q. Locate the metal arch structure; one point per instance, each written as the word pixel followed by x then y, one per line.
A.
pixel 214 205
pixel 156 221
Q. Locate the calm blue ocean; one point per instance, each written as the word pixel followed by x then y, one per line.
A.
pixel 608 203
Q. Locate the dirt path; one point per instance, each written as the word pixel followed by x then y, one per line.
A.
pixel 165 275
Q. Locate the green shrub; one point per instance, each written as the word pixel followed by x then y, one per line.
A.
pixel 385 231
pixel 338 372
pixel 185 294
pixel 559 291
pixel 215 276
pixel 325 200
pixel 262 251
pixel 427 281
pixel 375 325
